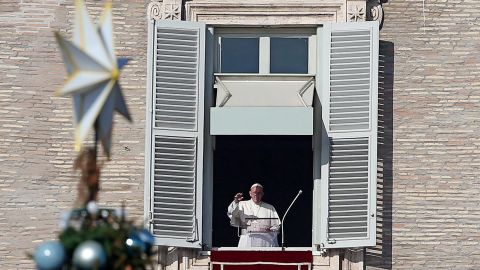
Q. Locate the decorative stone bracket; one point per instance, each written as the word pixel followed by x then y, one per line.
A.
pixel 165 10
pixel 364 10
pixel 356 10
pixel 375 11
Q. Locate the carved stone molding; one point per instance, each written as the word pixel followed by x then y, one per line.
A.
pixel 356 14
pixel 265 12
pixel 172 11
pixel 165 10
pixel 356 11
pixel 154 10
pixel 375 11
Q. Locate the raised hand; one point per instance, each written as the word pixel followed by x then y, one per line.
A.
pixel 238 197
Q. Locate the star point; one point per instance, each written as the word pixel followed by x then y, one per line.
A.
pixel 93 75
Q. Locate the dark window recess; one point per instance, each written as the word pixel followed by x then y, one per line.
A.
pixel 289 55
pixel 239 55
pixel 282 164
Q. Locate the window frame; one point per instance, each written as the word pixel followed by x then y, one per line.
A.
pixel 264 35
pixel 205 191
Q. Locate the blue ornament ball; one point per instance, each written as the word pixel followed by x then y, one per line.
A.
pixel 89 255
pixel 49 256
pixel 135 244
pixel 147 237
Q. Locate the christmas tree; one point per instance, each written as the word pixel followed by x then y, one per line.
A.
pixel 91 237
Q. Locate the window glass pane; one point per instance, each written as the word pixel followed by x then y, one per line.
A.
pixel 239 55
pixel 289 55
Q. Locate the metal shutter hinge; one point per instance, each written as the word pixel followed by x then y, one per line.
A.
pixel 150 217
pixel 322 249
pixel 194 237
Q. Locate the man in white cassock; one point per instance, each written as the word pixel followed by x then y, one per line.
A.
pixel 258 220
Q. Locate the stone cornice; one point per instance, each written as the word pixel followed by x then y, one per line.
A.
pixel 249 13
pixel 267 12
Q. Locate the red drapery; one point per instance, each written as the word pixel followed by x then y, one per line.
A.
pixel 269 259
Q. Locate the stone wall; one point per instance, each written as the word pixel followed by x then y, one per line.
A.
pixel 37 181
pixel 435 177
pixel 430 135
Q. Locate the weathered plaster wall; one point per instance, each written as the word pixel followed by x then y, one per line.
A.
pixel 436 135
pixel 36 133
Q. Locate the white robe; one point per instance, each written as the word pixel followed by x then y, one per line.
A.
pixel 259 223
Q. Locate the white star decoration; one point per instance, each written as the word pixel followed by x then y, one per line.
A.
pixel 93 72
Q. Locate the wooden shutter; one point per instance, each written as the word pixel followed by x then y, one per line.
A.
pixel 347 85
pixel 176 120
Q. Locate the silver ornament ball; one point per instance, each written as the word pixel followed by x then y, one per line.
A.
pixel 89 255
pixel 92 208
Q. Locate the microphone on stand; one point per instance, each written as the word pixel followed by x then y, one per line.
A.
pixel 286 212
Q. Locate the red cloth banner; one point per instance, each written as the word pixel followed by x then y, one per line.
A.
pixel 261 260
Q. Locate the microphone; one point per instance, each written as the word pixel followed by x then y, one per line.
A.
pixel 286 212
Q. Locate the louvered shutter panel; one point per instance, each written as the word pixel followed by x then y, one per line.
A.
pixel 176 120
pixel 348 87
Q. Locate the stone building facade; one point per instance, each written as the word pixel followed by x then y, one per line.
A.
pixel 429 147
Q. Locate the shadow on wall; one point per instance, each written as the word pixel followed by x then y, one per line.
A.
pixel 380 256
